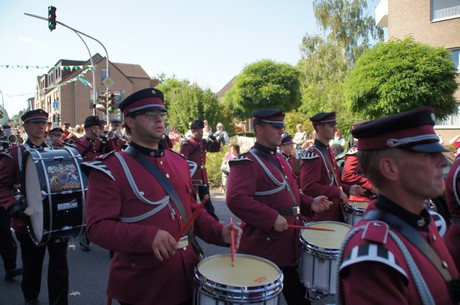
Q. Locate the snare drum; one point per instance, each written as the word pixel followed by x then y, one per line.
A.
pixel 354 211
pixel 251 280
pixel 318 265
pixel 53 188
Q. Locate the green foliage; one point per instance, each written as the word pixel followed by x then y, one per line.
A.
pixel 187 102
pixel 323 91
pixel 264 84
pixel 401 75
pixel 347 24
pixel 293 118
pixel 213 165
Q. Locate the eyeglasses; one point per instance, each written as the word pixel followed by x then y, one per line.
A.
pixel 155 115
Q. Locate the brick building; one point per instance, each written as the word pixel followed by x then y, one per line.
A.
pixel 66 91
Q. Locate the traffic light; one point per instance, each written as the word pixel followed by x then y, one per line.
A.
pixel 110 102
pixel 51 18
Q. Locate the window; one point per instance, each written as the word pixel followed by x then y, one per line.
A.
pixel 455 55
pixel 444 9
pixel 104 73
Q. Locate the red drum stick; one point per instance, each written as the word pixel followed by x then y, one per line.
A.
pixel 310 228
pixel 232 236
pixel 192 219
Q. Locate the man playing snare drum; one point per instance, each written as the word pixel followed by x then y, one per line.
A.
pixel 262 191
pixel 34 123
pixel 138 203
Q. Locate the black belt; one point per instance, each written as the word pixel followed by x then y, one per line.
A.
pixel 294 211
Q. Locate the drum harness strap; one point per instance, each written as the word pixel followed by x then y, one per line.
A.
pixel 160 203
pixel 329 167
pixel 168 188
pixel 281 185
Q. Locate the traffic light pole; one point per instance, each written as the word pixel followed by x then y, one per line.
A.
pixel 79 33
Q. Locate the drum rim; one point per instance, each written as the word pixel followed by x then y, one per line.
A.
pixel 225 292
pixel 316 250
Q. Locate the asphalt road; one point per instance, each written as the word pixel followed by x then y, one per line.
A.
pixel 89 270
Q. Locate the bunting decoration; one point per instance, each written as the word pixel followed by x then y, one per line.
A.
pixel 72 80
pixel 67 68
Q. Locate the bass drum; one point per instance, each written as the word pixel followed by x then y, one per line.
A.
pixel 54 193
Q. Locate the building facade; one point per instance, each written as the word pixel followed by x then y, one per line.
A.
pixel 72 89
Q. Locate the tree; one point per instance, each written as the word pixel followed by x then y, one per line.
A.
pixel 264 84
pixel 326 61
pixel 400 75
pixel 346 23
pixel 187 102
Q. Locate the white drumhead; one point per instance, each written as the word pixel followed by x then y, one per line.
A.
pixel 326 239
pixel 359 204
pixel 248 271
pixel 33 197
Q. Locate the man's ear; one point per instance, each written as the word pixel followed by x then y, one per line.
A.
pixel 389 168
pixel 129 121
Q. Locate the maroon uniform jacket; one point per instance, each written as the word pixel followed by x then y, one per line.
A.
pixel 254 197
pixel 351 173
pixel 10 180
pixel 374 271
pixel 195 151
pixel 318 173
pixel 136 276
pixel 452 237
pixel 91 149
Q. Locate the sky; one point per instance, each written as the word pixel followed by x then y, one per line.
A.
pixel 206 42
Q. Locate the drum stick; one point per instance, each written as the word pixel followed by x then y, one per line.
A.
pixel 310 228
pixel 232 238
pixel 191 219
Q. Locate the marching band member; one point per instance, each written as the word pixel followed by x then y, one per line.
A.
pixel 130 210
pixel 34 123
pixel 55 136
pixel 351 174
pixel 115 135
pixel 319 174
pixel 395 255
pixel 453 203
pixel 262 191
pixel 194 149
pixel 94 143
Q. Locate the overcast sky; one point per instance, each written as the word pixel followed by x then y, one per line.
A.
pixel 203 41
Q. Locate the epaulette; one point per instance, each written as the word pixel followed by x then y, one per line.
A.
pixel 105 156
pixel 439 222
pixel 372 253
pixel 176 153
pixel 5 152
pixel 239 158
pixel 352 151
pixel 376 231
pixel 86 167
pixel 309 155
